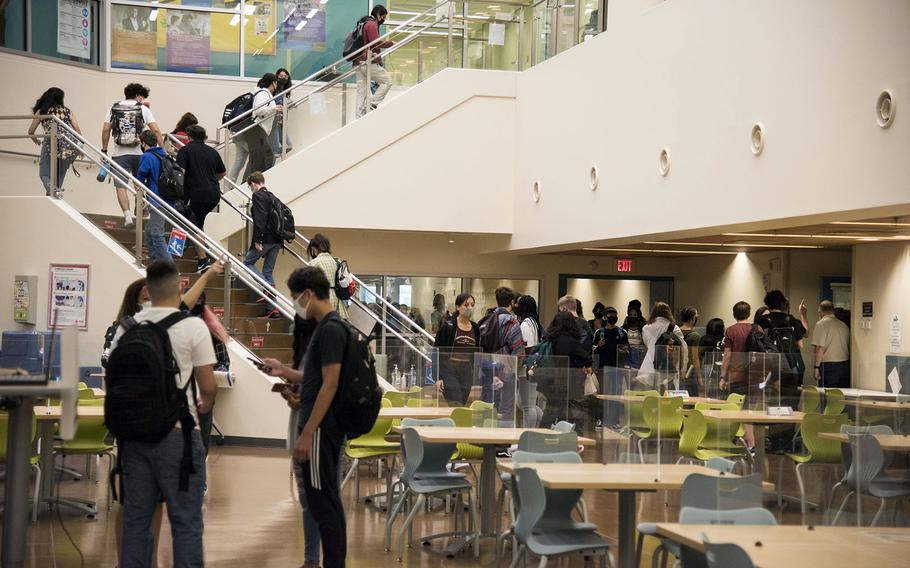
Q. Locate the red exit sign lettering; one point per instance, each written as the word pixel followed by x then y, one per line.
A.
pixel 625 265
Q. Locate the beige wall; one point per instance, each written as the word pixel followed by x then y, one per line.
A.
pixel 615 293
pixel 881 275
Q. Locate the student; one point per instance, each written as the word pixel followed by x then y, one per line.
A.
pixel 203 170
pixel 378 74
pixel 688 317
pixel 607 342
pixel 787 333
pixel 253 143
pixel 660 322
pixel 126 119
pixel 152 470
pixel 710 354
pixel 634 322
pixel 457 340
pixel 831 340
pixel 51 103
pixel 320 252
pixel 598 312
pixel 565 336
pixel 264 245
pixel 180 131
pixel 571 305
pixel 147 174
pixel 526 311
pixel 439 314
pixel 509 341
pixel 320 440
pixel 277 135
pixel 734 372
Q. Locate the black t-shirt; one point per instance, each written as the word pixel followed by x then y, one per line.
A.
pixel 611 338
pixel 202 164
pixel 781 320
pixel 326 347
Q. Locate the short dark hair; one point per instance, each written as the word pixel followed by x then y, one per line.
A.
pixel 256 177
pixel 320 244
pixel 148 138
pixel 196 132
pixel 378 10
pixel 134 90
pixel 162 280
pixel 741 311
pixel 267 80
pixel 715 327
pixel 504 296
pixel 687 314
pixel 309 278
pixel 775 300
pixel 462 298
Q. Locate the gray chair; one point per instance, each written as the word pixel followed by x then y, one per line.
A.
pixel 727 555
pixel 704 492
pixel 868 476
pixel 563 426
pixel 535 537
pixel 748 516
pixel 424 475
pixel 721 464
pixel 847 454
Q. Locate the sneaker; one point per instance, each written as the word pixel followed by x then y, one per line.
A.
pixel 504 454
pixel 752 451
pixel 129 223
pixel 202 265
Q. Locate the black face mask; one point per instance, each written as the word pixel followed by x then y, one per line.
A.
pixel 612 320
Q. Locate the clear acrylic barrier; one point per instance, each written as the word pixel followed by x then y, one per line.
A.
pixel 548 378
pixel 764 382
pixel 710 365
pixel 495 381
pixel 453 374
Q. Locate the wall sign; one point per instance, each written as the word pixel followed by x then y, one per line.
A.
pixel 257 341
pixel 867 309
pixel 74 22
pixel 625 265
pixel 68 295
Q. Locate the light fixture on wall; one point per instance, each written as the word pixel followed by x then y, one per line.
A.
pixel 757 138
pixel 593 178
pixel 664 162
pixel 451 239
pixel 535 191
pixel 884 109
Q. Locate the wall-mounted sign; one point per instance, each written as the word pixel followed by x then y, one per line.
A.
pixel 625 265
pixel 68 295
pixel 257 341
pixel 867 309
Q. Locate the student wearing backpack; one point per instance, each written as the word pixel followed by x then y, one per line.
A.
pixel 148 174
pixel 321 438
pixel 370 33
pixel 51 103
pixel 710 355
pixel 787 333
pixel 265 244
pixel 320 253
pixel 666 355
pixel 688 317
pixel 253 143
pixel 734 372
pixel 526 312
pixel 607 340
pixel 166 461
pixel 124 122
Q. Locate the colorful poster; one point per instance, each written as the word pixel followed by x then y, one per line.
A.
pixel 188 39
pixel 133 42
pixel 304 25
pixel 74 24
pixel 258 28
pixel 68 297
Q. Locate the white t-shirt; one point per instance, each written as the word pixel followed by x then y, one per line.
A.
pixel 117 149
pixel 265 113
pixel 650 334
pixel 530 333
pixel 191 343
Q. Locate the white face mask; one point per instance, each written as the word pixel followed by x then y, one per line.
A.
pixel 467 312
pixel 300 310
pixel 146 305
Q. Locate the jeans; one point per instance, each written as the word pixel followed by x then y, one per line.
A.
pixel 270 254
pixel 311 540
pixel 252 144
pixel 275 140
pixel 154 236
pixel 378 75
pixel 44 169
pixel 150 472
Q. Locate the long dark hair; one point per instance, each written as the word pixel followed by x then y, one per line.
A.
pixel 130 305
pixel 188 119
pixel 526 308
pixel 282 86
pixel 563 324
pixel 715 328
pixel 48 100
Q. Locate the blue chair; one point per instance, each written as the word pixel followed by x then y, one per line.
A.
pixel 726 555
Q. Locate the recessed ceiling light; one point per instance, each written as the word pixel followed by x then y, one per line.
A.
pixel 870 223
pixel 660 251
pixel 737 245
pixel 796 236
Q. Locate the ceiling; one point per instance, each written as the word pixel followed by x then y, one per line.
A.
pixel 834 235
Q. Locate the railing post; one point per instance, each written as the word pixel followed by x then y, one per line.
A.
pixel 52 156
pixel 464 34
pixel 521 25
pixel 228 155
pixel 139 225
pixel 228 286
pixel 344 103
pixel 246 225
pixel 369 82
pixel 450 47
pixel 284 128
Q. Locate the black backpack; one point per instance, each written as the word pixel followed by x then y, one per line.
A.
pixel 354 41
pixel 281 221
pixel 238 106
pixel 667 351
pixel 760 342
pixel 784 341
pixel 126 124
pixel 489 333
pixel 143 402
pixel 344 280
pixel 170 178
pixel 359 396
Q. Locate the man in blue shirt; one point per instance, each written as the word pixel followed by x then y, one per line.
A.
pixel 149 170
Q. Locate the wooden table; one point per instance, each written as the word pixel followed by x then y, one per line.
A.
pixel 687 401
pixel 760 420
pixel 489 439
pixel 627 480
pixel 890 442
pixel 881 404
pixel 784 546
pixel 416 412
pixel 99 393
pixel 864 393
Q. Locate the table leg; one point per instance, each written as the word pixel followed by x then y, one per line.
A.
pixel 487 489
pixel 626 531
pixel 15 514
pixel 760 430
pixel 46 435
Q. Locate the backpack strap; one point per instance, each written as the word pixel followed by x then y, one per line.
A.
pixel 173 319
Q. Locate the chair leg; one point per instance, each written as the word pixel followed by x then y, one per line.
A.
pixel 393 512
pixel 473 525
pixel 878 513
pixel 639 548
pixel 518 556
pixel 802 491
pixel 349 474
pixel 500 505
pixel 641 453
pixel 36 497
pixel 543 562
pixel 421 499
pixel 780 483
pixel 583 510
pixel 841 509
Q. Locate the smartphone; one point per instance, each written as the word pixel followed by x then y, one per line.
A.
pixel 259 364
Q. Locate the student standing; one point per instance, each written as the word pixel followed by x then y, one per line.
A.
pixel 607 340
pixel 253 143
pixel 526 311
pixel 457 340
pixel 787 332
pixel 148 172
pixel 734 372
pixel 688 317
pixel 203 170
pixel 660 322
pixel 277 136
pixel 378 74
pixel 125 121
pixel 264 245
pixel 51 103
pixel 565 335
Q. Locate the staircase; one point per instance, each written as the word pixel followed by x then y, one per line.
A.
pixel 262 336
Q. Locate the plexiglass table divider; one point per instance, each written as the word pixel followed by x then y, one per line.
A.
pixel 495 381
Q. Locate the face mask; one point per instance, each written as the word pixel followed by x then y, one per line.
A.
pixel 301 311
pixel 467 312
pixel 612 320
pixel 145 305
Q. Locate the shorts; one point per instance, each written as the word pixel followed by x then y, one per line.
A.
pixel 200 210
pixel 129 162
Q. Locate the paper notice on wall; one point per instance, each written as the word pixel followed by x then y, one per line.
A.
pixel 895 333
pixel 894 380
pixel 74 24
pixel 317 103
pixel 69 292
pixel 497 34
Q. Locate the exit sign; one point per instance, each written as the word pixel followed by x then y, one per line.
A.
pixel 625 265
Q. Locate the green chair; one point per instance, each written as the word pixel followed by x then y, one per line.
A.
pixel 90 440
pixel 33 460
pixel 86 394
pixel 371 445
pixel 90 402
pixel 465 418
pixel 834 402
pixel 663 420
pixel 720 435
pixel 737 398
pixel 821 451
pixel 694 429
pixel 635 420
pixel 396 398
pixel 420 403
pixel 810 399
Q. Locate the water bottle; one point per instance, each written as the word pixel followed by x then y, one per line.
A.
pixel 396 377
pixel 102 174
pixel 412 377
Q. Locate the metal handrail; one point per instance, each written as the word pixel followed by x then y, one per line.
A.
pixel 342 61
pixel 29 155
pixel 388 305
